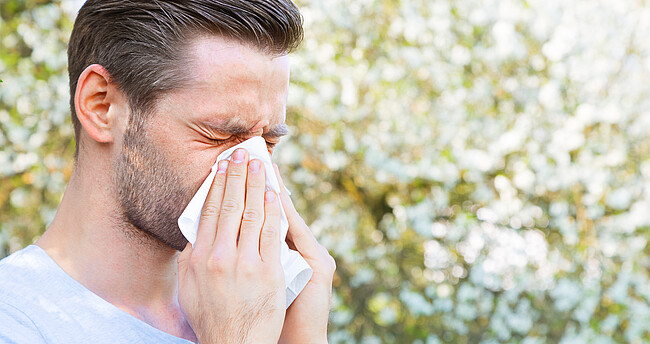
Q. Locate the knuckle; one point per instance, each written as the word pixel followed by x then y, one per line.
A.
pixel 247 267
pixel 329 261
pixel 219 180
pixel 237 172
pixel 231 206
pixel 210 209
pixel 269 233
pixel 218 265
pixel 251 215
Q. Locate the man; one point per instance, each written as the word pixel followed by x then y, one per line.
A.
pixel 158 90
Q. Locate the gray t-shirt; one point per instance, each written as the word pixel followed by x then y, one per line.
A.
pixel 41 303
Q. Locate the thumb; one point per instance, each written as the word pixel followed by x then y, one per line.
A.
pixel 183 261
pixel 299 234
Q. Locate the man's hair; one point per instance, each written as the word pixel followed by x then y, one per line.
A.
pixel 143 43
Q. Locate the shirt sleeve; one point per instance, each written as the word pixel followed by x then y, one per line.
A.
pixel 16 327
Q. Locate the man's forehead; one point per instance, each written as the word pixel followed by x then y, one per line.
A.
pixel 234 89
pixel 220 56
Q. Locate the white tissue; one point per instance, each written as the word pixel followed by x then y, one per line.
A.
pixel 296 270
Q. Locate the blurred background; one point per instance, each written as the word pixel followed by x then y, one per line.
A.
pixel 480 169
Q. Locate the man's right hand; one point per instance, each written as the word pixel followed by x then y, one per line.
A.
pixel 231 283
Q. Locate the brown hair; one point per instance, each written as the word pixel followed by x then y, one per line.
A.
pixel 141 43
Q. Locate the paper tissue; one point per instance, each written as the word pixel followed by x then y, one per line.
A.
pixel 296 270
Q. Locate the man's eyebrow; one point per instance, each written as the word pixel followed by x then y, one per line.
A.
pixel 235 127
pixel 232 126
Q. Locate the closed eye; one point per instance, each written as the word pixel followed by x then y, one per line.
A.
pixel 217 142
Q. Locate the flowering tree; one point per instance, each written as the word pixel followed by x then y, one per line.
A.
pixel 479 169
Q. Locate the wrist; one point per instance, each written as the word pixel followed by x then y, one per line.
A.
pixel 303 341
pixel 303 336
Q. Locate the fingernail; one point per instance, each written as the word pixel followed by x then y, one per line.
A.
pixel 223 166
pixel 238 156
pixel 270 196
pixel 254 166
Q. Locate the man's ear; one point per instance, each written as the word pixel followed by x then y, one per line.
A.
pixel 93 100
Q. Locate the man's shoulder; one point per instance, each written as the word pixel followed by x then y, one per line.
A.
pixel 22 271
pixel 40 302
pixel 21 277
pixel 31 280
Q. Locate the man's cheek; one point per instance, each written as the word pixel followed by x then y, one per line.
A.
pixel 195 172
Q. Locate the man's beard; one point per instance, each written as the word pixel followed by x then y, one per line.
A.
pixel 152 194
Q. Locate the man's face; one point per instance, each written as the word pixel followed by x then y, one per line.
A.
pixel 237 92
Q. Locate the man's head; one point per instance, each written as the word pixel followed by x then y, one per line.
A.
pixel 165 86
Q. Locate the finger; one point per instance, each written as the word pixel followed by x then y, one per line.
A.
pixel 232 205
pixel 253 217
pixel 299 232
pixel 207 229
pixel 270 235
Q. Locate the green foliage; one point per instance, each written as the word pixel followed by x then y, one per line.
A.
pixel 479 169
pixel 35 137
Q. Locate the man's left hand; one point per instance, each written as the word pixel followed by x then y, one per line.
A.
pixel 306 318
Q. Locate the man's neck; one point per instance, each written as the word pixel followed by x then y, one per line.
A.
pixel 92 242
